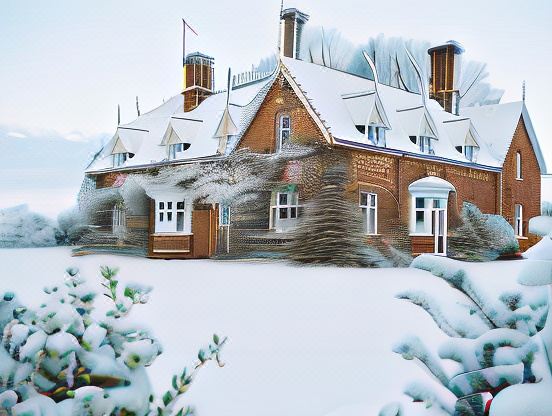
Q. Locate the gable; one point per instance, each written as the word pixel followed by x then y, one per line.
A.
pixel 260 136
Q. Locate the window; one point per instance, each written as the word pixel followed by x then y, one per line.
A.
pixel 518 166
pixel 119 219
pixel 518 221
pixel 284 131
pixel 119 159
pixel 176 148
pixel 285 211
pixel 372 135
pixel 369 205
pixel 425 144
pixel 381 137
pixel 423 214
pixel 170 216
pixel 224 215
pixel 376 135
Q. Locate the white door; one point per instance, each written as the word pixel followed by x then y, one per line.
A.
pixel 440 230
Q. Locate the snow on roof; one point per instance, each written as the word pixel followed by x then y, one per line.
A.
pixel 339 97
pixel 431 184
pixel 149 135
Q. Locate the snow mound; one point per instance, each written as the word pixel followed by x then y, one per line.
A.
pixel 21 228
pixel 540 251
pixel 541 225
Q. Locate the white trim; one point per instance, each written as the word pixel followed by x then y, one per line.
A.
pixel 518 220
pixel 369 208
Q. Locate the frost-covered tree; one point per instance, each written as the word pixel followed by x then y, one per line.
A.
pixel 59 360
pixel 494 342
pixel 71 225
pixel 330 230
pixel 546 209
pixel 20 227
pixel 482 237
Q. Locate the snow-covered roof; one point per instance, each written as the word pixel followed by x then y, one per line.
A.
pixel 149 135
pixel 343 100
pixel 497 124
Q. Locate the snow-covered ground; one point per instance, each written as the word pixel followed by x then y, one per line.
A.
pixel 302 341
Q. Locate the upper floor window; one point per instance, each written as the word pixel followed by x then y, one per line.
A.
pixel 469 152
pixel 518 166
pixel 369 205
pixel 426 145
pixel 284 211
pixel 518 220
pixel 284 130
pixel 119 159
pixel 175 149
pixel 376 135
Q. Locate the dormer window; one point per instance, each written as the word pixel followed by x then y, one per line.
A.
pixel 177 148
pixel 469 152
pixel 376 135
pixel 425 144
pixel 284 131
pixel 119 159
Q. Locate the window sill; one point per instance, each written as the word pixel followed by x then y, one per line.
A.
pixel 373 235
pixel 172 234
pixel 421 235
pixel 520 237
pixel 519 179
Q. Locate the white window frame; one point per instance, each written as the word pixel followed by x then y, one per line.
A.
pixel 224 221
pixel 375 134
pixel 469 153
pixel 168 209
pixel 425 144
pixel 282 130
pixel 519 161
pixel 119 159
pixel 427 209
pixel 118 219
pixel 176 148
pixel 291 207
pixel 518 220
pixel 369 210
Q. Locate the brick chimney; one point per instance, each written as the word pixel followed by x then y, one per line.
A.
pixel 292 22
pixel 199 81
pixel 445 71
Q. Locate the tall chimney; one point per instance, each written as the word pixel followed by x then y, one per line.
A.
pixel 292 22
pixel 445 72
pixel 199 80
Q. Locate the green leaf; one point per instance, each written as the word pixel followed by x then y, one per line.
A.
pixel 129 292
pixel 183 376
pixel 216 339
pixel 167 397
pixel 174 383
pixel 201 356
pixel 179 413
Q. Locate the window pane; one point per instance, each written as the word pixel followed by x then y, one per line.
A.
pixel 161 205
pixel 169 216
pixel 180 221
pixel 285 122
pixel 283 213
pixel 180 205
pixel 293 213
pixel 420 224
pixel 273 225
pixel 372 134
pixel 285 136
pixel 420 202
pixel 161 217
pixel 169 205
pixel 283 199
pixel 371 221
pixel 294 199
pixel 372 200
pixel 363 199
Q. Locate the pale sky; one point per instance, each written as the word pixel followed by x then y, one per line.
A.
pixel 66 64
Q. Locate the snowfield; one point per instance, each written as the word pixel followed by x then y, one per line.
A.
pixel 302 341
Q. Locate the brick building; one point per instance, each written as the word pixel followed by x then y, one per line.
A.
pixel 413 159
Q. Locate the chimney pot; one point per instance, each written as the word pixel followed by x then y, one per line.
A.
pixel 292 22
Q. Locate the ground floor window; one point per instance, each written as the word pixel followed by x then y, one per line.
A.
pixel 119 219
pixel 518 221
pixel 224 215
pixel 284 211
pixel 424 218
pixel 369 205
pixel 170 216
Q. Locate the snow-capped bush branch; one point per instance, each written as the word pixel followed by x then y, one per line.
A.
pixel 58 359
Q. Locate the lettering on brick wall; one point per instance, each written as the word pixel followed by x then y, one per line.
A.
pixel 470 173
pixel 373 166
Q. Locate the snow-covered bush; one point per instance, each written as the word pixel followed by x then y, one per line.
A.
pixel 71 226
pixel 546 208
pixel 20 227
pixel 482 237
pixel 59 360
pixel 494 341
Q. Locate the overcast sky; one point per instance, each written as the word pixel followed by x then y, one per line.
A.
pixel 66 64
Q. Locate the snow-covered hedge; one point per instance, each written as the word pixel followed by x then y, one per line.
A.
pixel 59 360
pixel 20 227
pixel 482 237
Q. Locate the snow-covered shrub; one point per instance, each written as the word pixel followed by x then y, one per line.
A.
pixel 71 226
pixel 541 225
pixel 330 230
pixel 20 227
pixel 59 360
pixel 482 237
pixel 546 208
pixel 494 342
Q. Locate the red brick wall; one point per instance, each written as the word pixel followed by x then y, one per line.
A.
pixel 527 191
pixel 260 137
